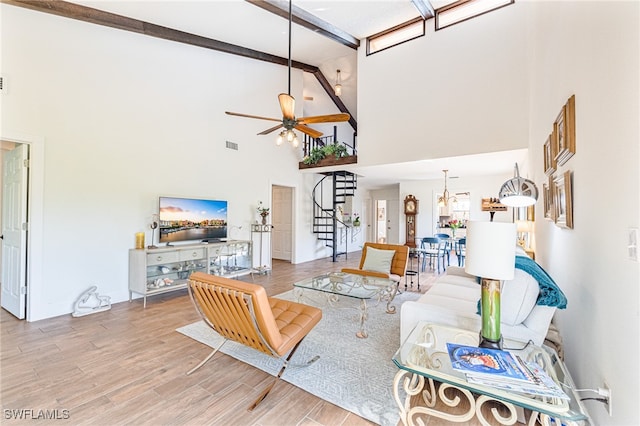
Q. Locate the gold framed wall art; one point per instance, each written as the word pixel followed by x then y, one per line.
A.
pixel 565 132
pixel 549 151
pixel 547 194
pixel 563 201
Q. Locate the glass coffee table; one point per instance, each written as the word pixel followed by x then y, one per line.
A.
pixel 424 356
pixel 363 288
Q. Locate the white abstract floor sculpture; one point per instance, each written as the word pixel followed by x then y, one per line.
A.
pixel 91 302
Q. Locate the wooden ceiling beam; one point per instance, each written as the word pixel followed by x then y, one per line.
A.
pixel 425 8
pixel 307 20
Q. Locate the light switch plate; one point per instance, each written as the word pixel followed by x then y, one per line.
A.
pixel 632 247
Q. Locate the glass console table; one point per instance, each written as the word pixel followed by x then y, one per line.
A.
pixel 355 286
pixel 423 359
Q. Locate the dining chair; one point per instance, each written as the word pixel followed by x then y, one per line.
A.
pixel 449 246
pixel 433 249
pixel 461 250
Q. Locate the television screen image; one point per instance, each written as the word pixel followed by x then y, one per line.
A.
pixel 188 219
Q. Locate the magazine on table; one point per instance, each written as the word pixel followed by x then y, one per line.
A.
pixel 501 369
pixel 489 363
pixel 546 388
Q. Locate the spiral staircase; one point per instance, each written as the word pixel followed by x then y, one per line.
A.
pixel 331 191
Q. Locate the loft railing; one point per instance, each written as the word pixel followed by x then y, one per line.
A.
pixel 309 143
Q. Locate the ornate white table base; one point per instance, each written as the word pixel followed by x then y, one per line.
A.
pixel 413 414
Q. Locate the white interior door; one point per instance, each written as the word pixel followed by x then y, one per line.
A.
pixel 393 221
pixel 381 222
pixel 282 221
pixel 14 230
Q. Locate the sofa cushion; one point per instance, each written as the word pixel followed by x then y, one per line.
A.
pixel 378 260
pixel 518 298
pixel 460 281
pixel 458 305
pixel 455 291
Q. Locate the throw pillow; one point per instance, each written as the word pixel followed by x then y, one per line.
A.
pixel 518 298
pixel 378 260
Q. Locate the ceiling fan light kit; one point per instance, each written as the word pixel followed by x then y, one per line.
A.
pixel 289 120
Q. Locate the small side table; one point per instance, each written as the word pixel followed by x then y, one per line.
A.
pixel 411 272
pixel 261 229
pixel 423 360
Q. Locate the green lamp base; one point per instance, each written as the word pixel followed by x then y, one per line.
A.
pixel 490 336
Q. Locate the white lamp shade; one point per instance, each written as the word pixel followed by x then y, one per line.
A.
pixel 523 225
pixel 491 250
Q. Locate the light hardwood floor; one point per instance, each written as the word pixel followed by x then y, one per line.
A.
pixel 127 366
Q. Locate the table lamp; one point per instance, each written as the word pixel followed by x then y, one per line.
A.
pixel 491 251
pixel 524 228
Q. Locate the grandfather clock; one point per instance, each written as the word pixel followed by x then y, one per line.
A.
pixel 410 212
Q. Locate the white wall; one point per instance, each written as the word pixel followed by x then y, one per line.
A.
pixel 453 92
pixel 124 118
pixel 591 49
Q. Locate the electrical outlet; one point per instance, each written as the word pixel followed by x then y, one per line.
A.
pixel 607 390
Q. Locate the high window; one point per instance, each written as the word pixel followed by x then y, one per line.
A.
pixel 462 10
pixel 396 35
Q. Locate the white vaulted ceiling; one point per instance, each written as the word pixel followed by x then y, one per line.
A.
pixel 244 24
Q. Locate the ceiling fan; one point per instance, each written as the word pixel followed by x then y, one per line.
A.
pixel 289 120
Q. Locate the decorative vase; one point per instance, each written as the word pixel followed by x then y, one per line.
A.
pixel 264 219
pixel 356 223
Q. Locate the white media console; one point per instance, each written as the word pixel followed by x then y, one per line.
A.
pixel 163 269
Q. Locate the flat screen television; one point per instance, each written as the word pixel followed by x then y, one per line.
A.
pixel 191 219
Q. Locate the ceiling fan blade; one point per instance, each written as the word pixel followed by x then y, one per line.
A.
pixel 287 104
pixel 269 130
pixel 330 118
pixel 252 116
pixel 308 130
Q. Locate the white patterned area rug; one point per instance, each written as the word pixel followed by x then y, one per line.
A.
pixel 354 374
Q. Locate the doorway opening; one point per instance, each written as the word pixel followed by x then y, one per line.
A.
pixel 14 184
pixel 282 220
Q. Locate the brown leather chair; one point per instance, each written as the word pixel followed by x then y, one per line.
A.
pixel 242 312
pixel 398 263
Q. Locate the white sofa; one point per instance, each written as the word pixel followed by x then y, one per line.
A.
pixel 453 300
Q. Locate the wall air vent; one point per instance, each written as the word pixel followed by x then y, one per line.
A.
pixel 232 145
pixel 2 84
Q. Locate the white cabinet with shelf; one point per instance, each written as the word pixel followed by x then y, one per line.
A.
pixel 231 259
pixel 164 269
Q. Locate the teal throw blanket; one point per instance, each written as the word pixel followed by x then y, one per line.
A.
pixel 550 293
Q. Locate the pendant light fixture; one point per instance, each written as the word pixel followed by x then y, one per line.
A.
pixel 518 192
pixel 337 89
pixel 443 200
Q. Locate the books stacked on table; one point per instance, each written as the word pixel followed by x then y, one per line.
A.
pixel 504 370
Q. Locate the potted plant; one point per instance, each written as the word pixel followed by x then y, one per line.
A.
pixel 454 225
pixel 321 152
pixel 263 211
